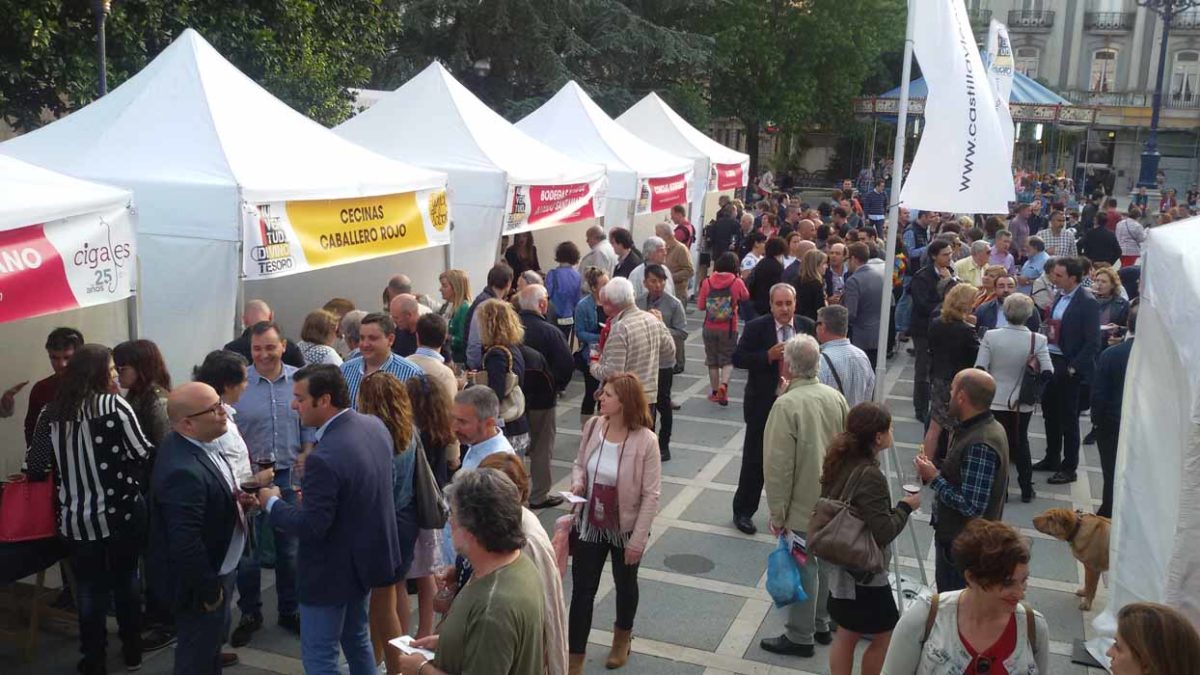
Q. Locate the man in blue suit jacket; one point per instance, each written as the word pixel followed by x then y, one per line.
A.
pixel 760 352
pixel 197 531
pixel 346 523
pixel 1073 329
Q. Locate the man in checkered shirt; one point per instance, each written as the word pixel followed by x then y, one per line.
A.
pixel 973 479
pixel 1060 240
pixel 637 341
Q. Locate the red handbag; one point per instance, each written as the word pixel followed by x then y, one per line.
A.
pixel 27 509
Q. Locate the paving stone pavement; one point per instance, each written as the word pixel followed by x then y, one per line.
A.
pixel 703 605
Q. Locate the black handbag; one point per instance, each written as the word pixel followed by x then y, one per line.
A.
pixel 432 509
pixel 1029 390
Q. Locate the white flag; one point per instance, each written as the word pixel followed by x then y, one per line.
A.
pixel 964 161
pixel 1000 65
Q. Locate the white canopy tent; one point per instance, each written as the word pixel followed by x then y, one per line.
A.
pixel 717 169
pixel 500 176
pixel 50 224
pixel 1154 550
pixel 643 181
pixel 205 149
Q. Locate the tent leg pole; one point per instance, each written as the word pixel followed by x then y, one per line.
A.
pixel 889 232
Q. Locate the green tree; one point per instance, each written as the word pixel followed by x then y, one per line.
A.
pixel 796 62
pixel 305 52
pixel 617 50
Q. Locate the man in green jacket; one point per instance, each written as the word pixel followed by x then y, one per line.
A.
pixel 802 424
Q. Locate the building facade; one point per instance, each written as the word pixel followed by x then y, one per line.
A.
pixel 1105 53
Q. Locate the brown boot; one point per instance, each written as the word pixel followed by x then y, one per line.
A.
pixel 575 664
pixel 619 655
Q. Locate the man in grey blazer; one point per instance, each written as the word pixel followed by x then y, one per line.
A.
pixel 862 297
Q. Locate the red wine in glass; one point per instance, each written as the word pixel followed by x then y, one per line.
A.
pixel 265 462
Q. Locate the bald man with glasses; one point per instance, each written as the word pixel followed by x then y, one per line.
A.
pixel 197 527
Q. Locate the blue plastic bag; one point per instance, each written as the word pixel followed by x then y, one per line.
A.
pixel 783 576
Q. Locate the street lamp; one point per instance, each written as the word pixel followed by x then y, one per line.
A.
pixel 100 10
pixel 1168 10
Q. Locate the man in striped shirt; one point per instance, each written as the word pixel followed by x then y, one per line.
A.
pixel 637 342
pixel 375 336
pixel 843 366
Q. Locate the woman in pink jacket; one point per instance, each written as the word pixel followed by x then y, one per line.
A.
pixel 619 474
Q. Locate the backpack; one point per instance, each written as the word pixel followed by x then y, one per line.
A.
pixel 689 233
pixel 719 306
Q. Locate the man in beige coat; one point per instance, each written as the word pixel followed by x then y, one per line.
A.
pixel 802 424
pixel 679 260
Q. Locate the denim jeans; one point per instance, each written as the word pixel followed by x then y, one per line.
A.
pixel 324 627
pixel 249 573
pixel 106 572
pixel 201 634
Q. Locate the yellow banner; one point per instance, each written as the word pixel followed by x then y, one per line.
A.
pixel 284 238
pixel 332 231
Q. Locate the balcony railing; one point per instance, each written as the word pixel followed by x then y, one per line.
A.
pixel 1186 21
pixel 1030 19
pixel 1109 22
pixel 1134 99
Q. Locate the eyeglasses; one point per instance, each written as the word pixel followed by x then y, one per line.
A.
pixel 217 409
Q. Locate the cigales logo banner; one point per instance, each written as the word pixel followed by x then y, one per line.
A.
pixel 534 206
pixel 281 238
pixel 660 194
pixel 75 262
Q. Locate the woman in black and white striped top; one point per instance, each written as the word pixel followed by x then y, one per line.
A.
pixel 90 439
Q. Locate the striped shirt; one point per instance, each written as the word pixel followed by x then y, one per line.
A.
pixel 97 459
pixel 355 370
pixel 637 343
pixel 853 369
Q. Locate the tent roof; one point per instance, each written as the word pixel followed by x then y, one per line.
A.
pixel 572 122
pixel 1024 90
pixel 433 120
pixel 30 195
pixel 191 118
pixel 651 118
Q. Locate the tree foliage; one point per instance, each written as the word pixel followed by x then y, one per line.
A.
pixel 793 62
pixel 617 50
pixel 305 52
pixel 797 62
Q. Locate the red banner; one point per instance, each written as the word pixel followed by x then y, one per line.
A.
pixel 32 278
pixel 729 176
pixel 660 194
pixel 531 204
pixel 76 262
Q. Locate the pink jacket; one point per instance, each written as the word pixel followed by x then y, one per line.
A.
pixel 639 478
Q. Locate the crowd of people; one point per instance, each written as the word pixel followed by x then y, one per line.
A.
pixel 328 458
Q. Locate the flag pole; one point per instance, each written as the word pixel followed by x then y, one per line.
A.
pixel 889 234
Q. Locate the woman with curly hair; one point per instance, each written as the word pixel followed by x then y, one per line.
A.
pixel 383 395
pixel 863 604
pixel 501 333
pixel 983 628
